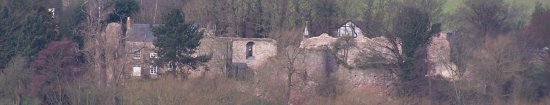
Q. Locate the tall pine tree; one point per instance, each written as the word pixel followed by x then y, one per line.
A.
pixel 177 41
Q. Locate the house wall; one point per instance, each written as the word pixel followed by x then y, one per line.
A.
pixel 144 61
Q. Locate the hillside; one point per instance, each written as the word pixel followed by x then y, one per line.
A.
pixel 274 52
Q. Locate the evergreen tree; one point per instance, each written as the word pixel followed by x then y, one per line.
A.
pixel 414 30
pixel 324 15
pixel 123 9
pixel 177 41
pixel 24 33
pixel 70 23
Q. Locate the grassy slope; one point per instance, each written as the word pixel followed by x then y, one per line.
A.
pixel 354 7
pixel 452 5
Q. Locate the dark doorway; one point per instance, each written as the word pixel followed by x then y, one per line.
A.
pixel 249 50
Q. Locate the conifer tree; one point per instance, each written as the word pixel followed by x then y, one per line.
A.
pixel 177 41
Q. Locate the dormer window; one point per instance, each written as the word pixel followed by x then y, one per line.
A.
pixel 249 50
pixel 136 53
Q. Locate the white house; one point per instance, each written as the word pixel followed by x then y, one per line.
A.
pixel 349 28
pixel 341 28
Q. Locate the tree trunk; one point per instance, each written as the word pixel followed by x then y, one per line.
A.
pixel 289 84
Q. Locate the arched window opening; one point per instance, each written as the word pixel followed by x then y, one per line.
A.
pixel 249 50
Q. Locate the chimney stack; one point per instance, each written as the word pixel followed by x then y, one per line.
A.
pixel 306 31
pixel 128 23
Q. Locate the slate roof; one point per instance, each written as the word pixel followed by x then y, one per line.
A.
pixel 140 33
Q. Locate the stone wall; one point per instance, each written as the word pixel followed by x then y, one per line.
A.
pixel 438 51
pixel 317 42
pixel 439 55
pixel 262 50
pixel 362 45
pixel 228 51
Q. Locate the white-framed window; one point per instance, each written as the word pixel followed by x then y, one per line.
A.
pixel 168 67
pixel 52 12
pixel 153 70
pixel 136 70
pixel 153 55
pixel 136 53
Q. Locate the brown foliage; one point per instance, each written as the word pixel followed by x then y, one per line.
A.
pixel 58 55
pixel 496 65
pixel 538 31
pixel 53 67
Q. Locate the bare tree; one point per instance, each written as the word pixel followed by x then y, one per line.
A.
pixel 293 56
pixel 104 60
pixel 96 12
pixel 487 16
pixel 496 64
pixel 344 45
pixel 54 67
pixel 12 77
